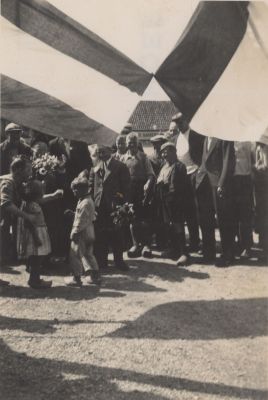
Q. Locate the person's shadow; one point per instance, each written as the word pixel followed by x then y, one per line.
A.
pixel 200 320
pixel 87 292
pixel 24 377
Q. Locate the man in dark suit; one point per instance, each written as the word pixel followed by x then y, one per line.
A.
pixel 109 184
pixel 189 146
pixel 214 194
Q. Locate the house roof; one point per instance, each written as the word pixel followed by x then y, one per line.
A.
pixel 152 115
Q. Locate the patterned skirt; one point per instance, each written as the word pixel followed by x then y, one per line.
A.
pixel 26 245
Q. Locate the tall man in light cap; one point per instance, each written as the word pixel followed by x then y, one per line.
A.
pixel 12 147
pixel 189 146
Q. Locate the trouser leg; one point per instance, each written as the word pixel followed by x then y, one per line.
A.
pixel 191 213
pixel 75 260
pixel 34 264
pixel 101 246
pixel 225 216
pixel 243 200
pixel 88 259
pixel 117 244
pixel 207 219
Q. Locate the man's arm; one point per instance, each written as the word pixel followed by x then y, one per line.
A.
pixel 91 180
pixel 12 209
pixel 51 196
pixel 124 177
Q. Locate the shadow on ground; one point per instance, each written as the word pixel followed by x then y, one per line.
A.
pixel 44 326
pixel 88 292
pixel 24 377
pixel 200 320
pixel 166 270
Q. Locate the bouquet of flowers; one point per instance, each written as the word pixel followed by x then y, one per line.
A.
pixel 123 215
pixel 45 166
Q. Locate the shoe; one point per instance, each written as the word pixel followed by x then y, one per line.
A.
pixel 146 252
pixel 245 255
pixel 41 284
pixel 223 262
pixel 183 261
pixel 57 260
pixel 194 248
pixel 122 266
pixel 104 267
pixel 73 281
pixel 208 260
pixel 94 278
pixel 167 253
pixel 3 283
pixel 134 252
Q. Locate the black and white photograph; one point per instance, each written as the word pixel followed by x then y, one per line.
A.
pixel 134 200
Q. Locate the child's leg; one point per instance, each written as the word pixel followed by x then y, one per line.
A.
pixel 34 265
pixel 75 261
pixel 90 262
pixel 89 259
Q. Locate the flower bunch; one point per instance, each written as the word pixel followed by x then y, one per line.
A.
pixel 45 165
pixel 123 215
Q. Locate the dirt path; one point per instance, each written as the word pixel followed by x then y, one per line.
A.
pixel 157 332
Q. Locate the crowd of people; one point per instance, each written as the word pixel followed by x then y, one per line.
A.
pixel 190 180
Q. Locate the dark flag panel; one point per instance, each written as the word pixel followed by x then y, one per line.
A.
pixel 50 25
pixel 202 53
pixel 30 107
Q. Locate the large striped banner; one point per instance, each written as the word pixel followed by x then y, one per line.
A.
pixel 61 78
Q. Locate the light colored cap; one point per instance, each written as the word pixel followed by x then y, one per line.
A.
pixel 13 127
pixel 168 144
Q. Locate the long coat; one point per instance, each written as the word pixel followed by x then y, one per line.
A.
pixel 111 189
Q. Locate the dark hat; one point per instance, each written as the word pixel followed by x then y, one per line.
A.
pixel 168 144
pixel 103 147
pixel 13 127
pixel 158 138
pixel 127 128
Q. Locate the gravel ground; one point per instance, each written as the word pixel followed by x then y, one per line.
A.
pixel 156 332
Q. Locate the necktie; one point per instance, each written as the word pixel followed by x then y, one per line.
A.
pixel 102 170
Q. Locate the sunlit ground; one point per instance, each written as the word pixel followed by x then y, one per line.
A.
pixel 155 332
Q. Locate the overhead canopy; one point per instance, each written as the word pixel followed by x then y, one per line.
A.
pixel 87 85
pixel 217 74
pixel 68 69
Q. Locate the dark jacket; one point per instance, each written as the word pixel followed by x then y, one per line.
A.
pixel 217 163
pixel 172 195
pixel 113 188
pixel 6 158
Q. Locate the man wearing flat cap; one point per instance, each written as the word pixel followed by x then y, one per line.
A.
pixel 189 146
pixel 156 158
pixel 157 163
pixel 109 184
pixel 12 147
pixel 171 194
